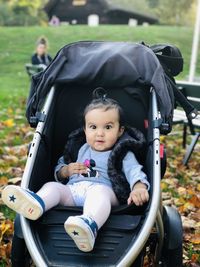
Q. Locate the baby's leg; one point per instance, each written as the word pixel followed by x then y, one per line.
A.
pixel 98 203
pixel 32 205
pixel 83 229
pixel 54 193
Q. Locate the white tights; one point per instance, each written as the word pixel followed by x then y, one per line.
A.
pixel 97 205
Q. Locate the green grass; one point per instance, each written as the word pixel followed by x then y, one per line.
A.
pixel 18 43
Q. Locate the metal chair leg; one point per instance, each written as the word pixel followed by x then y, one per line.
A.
pixel 184 135
pixel 191 148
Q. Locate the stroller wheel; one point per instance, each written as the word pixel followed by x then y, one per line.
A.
pixel 19 255
pixel 172 250
pixel 173 258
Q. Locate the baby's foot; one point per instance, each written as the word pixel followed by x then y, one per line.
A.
pixel 83 230
pixel 23 201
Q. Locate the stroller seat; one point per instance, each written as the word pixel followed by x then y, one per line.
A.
pixel 117 233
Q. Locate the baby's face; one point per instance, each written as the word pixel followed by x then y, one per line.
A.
pixel 102 128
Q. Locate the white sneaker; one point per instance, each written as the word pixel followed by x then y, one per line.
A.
pixel 83 230
pixel 24 202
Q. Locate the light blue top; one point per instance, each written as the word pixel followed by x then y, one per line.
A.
pixel 130 166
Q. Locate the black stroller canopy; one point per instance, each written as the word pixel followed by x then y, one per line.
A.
pixel 104 64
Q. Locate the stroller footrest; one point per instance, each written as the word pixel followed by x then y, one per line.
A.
pixel 115 222
pixel 58 249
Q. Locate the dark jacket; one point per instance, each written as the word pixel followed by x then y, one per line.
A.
pixel 132 140
pixel 37 60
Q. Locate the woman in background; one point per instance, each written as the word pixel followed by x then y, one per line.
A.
pixel 41 57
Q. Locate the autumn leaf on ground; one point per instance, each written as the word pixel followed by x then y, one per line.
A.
pixel 8 123
pixel 6 232
pixel 181 186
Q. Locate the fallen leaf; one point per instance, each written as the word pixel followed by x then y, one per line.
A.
pixel 15 181
pixel 182 190
pixel 4 227
pixel 188 223
pixel 166 195
pixel 187 207
pixel 10 158
pixel 195 200
pixel 20 150
pixel 15 171
pixel 168 202
pixel 180 201
pixel 195 239
pixel 2 217
pixel 9 123
pixel 195 215
pixel 198 187
pixel 194 259
pixel 3 180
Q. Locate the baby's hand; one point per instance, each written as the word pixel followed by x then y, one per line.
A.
pixel 73 168
pixel 139 195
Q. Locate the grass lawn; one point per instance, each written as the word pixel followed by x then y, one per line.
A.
pixel 18 43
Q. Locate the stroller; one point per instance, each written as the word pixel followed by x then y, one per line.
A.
pixel 133 75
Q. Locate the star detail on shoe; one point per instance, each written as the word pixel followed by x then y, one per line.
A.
pixel 12 198
pixel 75 233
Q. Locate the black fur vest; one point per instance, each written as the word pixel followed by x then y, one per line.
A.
pixel 131 140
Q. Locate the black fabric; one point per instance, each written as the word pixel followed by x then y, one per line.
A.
pixel 44 59
pixel 75 140
pixel 19 252
pixel 131 140
pixel 103 64
pixel 170 56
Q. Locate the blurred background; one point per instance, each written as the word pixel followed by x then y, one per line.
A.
pixel 39 12
pixel 22 22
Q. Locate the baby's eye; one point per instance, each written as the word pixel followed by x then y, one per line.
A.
pixel 108 126
pixel 92 126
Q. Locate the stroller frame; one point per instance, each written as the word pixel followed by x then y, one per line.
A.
pixel 155 209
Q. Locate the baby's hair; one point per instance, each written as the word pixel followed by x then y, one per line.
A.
pixel 101 101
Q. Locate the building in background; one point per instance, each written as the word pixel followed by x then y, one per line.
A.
pixel 94 12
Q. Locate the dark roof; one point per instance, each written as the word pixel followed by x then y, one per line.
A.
pixel 112 6
pixel 132 14
pixel 50 5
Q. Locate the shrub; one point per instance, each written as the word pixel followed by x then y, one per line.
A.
pixel 20 16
